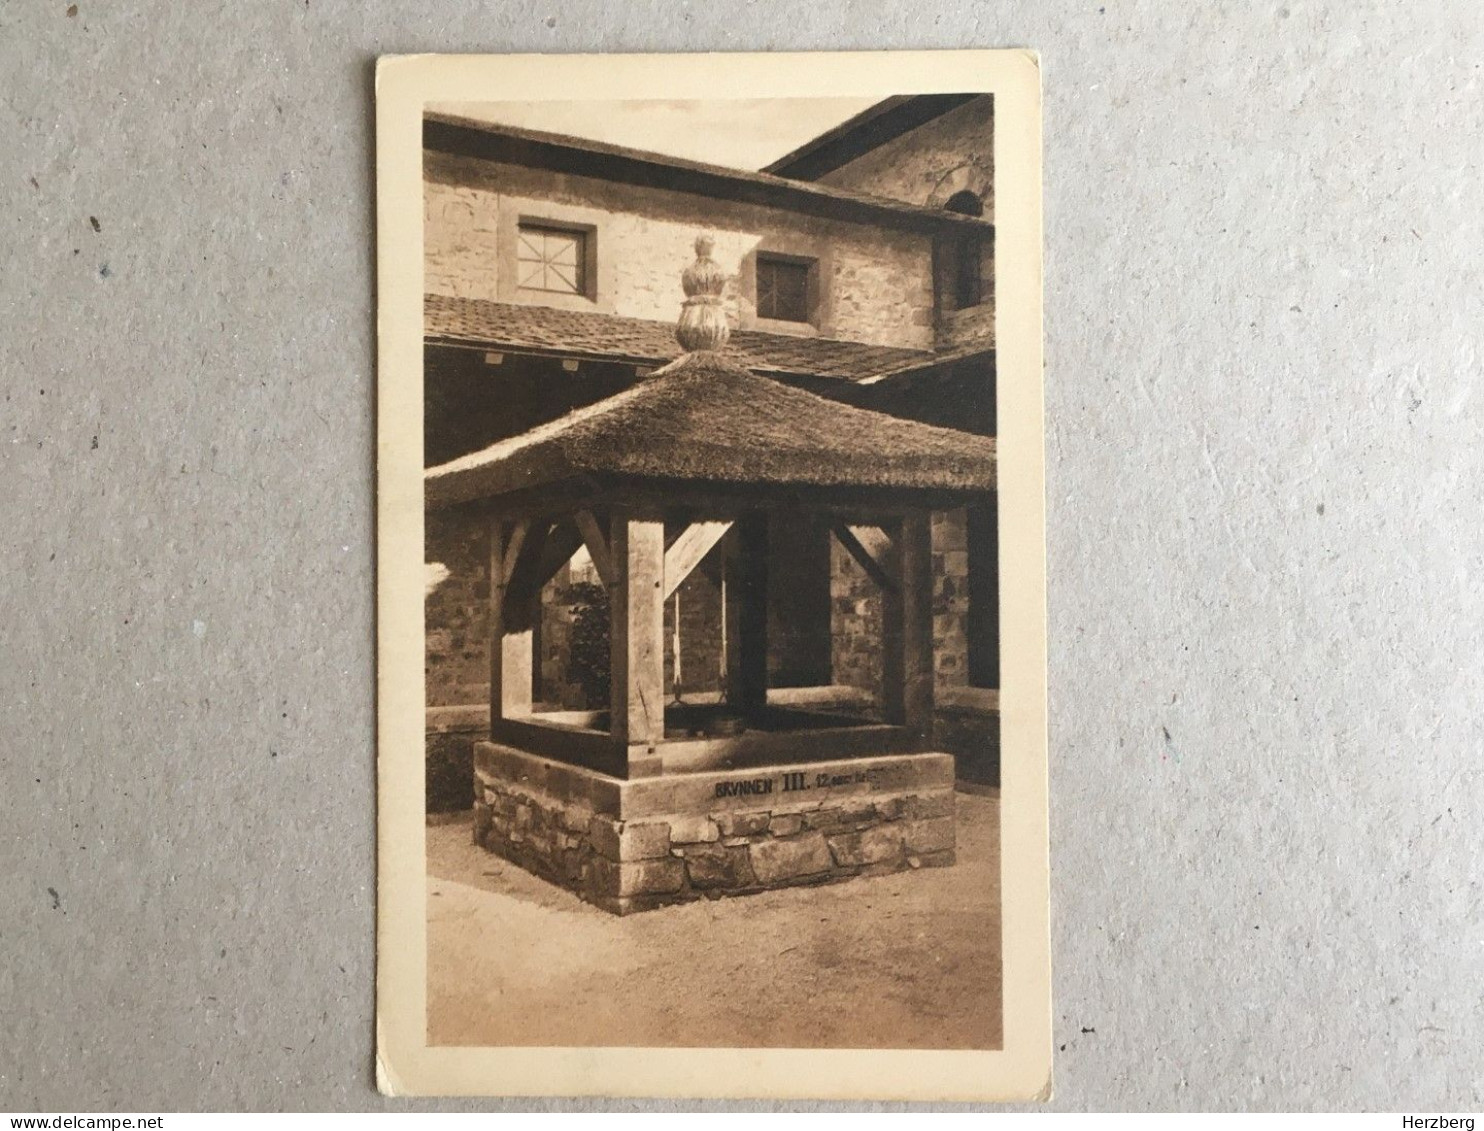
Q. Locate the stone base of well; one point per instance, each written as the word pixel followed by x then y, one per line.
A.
pixel 633 845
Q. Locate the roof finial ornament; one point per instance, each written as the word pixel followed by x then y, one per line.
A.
pixel 703 320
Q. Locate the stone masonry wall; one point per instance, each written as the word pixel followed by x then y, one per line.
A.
pixel 950 600
pixel 456 664
pixel 875 284
pixel 855 624
pixel 855 614
pixel 973 324
pixel 639 865
pixel 950 154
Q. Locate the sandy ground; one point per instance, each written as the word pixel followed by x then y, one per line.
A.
pixel 904 961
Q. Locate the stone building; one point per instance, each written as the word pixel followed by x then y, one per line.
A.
pixel 860 268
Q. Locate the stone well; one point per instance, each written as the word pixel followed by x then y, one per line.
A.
pixel 635 844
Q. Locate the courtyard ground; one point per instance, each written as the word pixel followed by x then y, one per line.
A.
pixel 910 960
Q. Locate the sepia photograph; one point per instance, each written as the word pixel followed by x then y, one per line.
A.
pixel 711 573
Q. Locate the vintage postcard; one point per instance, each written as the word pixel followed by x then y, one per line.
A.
pixel 711 577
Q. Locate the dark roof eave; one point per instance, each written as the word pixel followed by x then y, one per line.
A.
pixel 566 488
pixel 493 345
pixel 938 360
pixel 868 130
pixel 580 157
pixel 640 361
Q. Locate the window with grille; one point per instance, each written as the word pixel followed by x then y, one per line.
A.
pixel 551 259
pixel 782 289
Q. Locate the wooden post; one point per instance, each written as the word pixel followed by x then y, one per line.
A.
pixel 907 629
pixel 636 548
pixel 747 616
pixel 510 637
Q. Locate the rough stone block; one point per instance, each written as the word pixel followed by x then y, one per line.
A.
pixel 639 877
pixel 935 835
pixel 741 824
pixel 643 841
pixel 931 805
pixel 602 832
pixel 891 808
pixel 774 861
pixel 932 860
pixel 712 866
pixel 483 818
pixel 876 845
pixel 628 842
pixel 786 824
pixel 693 830
pixel 826 819
pixel 885 868
pixel 571 865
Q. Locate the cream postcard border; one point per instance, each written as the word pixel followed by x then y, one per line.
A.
pixel 405 1064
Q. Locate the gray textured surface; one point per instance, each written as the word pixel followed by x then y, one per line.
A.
pixel 1264 442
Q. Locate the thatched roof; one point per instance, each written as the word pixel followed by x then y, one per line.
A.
pixel 705 420
pixel 583 333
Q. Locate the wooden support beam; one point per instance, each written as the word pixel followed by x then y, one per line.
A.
pixel 907 630
pixel 523 556
pixel 688 550
pixel 761 748
pixel 510 645
pixel 854 538
pixel 747 616
pixel 637 659
pixel 597 545
pixel 555 549
pixel 513 548
pixel 572 745
pixel 563 541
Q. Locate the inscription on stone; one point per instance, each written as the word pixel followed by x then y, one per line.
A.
pixel 744 788
pixel 795 781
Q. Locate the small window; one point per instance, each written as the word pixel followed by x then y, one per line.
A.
pixel 782 289
pixel 965 204
pixel 552 259
pixel 966 287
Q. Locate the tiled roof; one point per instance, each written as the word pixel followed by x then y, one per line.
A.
pixel 496 326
